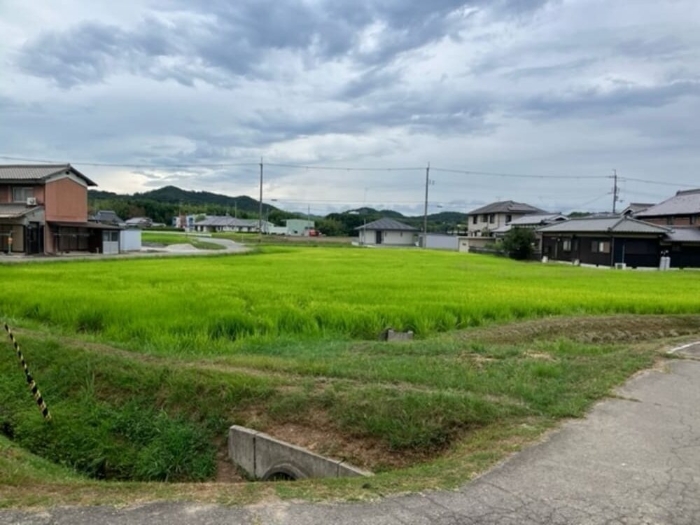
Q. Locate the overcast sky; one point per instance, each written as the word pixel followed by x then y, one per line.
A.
pixel 562 88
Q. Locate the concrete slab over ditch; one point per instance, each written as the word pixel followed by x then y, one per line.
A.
pixel 266 458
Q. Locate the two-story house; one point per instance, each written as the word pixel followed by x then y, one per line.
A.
pixel 683 209
pixel 44 209
pixel 483 221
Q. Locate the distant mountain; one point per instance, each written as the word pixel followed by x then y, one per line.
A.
pixel 174 195
pixel 163 204
pixel 449 217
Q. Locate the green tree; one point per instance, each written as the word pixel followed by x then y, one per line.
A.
pixel 519 243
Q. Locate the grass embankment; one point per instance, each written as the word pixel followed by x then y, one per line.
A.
pixel 168 239
pixel 438 410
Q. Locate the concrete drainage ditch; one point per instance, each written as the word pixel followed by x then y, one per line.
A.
pixel 265 458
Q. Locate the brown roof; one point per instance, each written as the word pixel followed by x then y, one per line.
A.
pixel 37 172
pixel 506 207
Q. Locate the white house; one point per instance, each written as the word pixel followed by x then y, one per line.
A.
pixel 484 220
pixel 387 232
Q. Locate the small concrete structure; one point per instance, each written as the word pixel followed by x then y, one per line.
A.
pixel 393 335
pixel 266 458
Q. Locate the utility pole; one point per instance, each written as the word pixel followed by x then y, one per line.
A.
pixel 616 192
pixel 260 204
pixel 425 208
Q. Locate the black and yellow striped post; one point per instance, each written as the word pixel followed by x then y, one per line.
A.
pixel 30 380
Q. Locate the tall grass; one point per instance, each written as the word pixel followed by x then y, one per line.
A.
pixel 210 305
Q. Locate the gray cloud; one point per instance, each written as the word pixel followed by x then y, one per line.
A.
pixel 596 102
pixel 504 86
pixel 236 38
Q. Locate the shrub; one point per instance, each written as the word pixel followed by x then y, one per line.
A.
pixel 518 243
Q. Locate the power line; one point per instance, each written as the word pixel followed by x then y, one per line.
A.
pixel 518 175
pixel 297 166
pixel 673 184
pixel 118 165
pixel 338 168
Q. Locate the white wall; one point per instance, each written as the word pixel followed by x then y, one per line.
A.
pixel 130 240
pixel 442 242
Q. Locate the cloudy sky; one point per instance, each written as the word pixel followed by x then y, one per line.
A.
pixel 195 93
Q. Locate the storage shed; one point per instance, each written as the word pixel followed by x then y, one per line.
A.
pixel 388 232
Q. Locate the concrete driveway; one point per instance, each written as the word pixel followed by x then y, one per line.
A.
pixel 634 460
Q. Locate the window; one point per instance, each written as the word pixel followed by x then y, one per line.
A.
pixel 693 219
pixel 484 218
pixel 566 245
pixel 509 218
pixel 492 218
pixel 475 219
pixel 22 193
pixel 600 247
pixel 669 221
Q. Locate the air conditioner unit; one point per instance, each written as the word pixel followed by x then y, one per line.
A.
pixel 620 266
pixel 31 201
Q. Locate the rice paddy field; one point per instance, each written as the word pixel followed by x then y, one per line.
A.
pixel 213 305
pixel 145 363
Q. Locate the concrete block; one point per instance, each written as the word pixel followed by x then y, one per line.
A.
pixel 392 335
pixel 241 448
pixel 275 455
pixel 348 471
pixel 264 457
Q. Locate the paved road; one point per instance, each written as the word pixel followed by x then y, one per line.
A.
pixel 174 250
pixel 632 461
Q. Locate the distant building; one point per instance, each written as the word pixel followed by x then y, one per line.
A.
pixel 533 222
pixel 299 227
pixel 231 224
pixel 636 207
pixel 388 232
pixel 620 241
pixel 683 209
pixel 186 222
pixel 483 221
pixel 139 222
pixel 107 217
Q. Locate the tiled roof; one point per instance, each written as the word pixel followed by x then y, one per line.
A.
pixel 682 203
pixel 604 225
pixel 537 218
pixel 387 225
pixel 107 216
pixel 506 207
pixel 37 172
pixel 684 235
pixel 14 211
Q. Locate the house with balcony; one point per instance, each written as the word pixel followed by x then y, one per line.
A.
pixel 44 209
pixel 485 221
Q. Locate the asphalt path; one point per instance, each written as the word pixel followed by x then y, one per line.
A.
pixel 634 460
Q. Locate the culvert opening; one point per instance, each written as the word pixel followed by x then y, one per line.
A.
pixel 281 475
pixel 268 459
